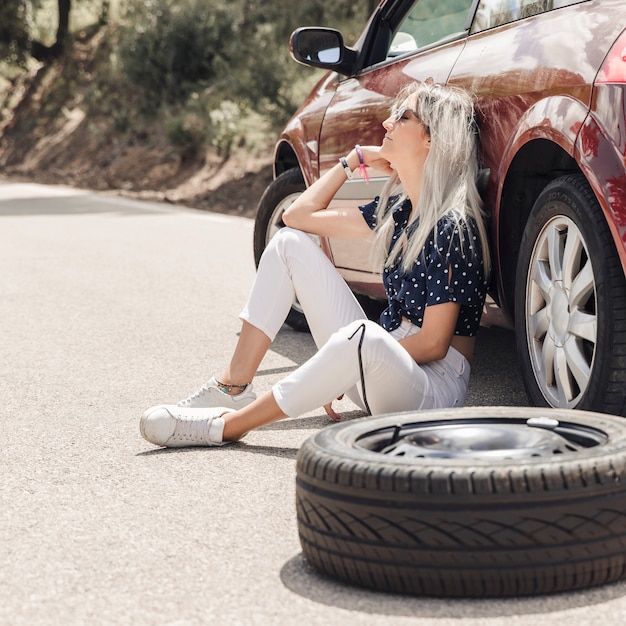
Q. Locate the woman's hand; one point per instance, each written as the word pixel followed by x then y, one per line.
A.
pixel 372 158
pixel 336 417
pixel 310 213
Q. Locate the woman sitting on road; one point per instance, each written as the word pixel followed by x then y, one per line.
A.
pixel 432 246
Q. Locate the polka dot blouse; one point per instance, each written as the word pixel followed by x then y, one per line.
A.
pixel 446 272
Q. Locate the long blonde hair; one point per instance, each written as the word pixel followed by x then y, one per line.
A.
pixel 448 180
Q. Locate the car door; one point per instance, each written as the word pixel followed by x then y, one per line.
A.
pixel 425 39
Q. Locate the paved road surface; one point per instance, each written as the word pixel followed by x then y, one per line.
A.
pixel 109 306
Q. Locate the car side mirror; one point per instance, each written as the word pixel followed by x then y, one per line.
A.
pixel 323 48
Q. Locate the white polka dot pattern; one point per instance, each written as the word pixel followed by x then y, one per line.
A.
pixel 447 271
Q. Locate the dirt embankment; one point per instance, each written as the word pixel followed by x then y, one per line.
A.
pixel 51 132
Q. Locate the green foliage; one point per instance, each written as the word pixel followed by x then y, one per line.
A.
pixel 266 78
pixel 238 48
pixel 15 20
pixel 223 129
pixel 186 131
pixel 173 48
pixel 213 72
pixel 204 121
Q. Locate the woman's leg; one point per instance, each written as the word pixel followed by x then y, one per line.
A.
pixel 252 344
pixel 334 370
pixel 294 265
pixel 291 264
pixel 363 350
pixel 261 412
pixel 393 381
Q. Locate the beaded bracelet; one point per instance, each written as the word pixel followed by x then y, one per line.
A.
pixel 224 388
pixel 362 168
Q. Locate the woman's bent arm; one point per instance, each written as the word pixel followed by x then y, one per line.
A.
pixel 435 336
pixel 310 211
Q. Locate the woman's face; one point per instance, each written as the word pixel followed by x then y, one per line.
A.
pixel 407 138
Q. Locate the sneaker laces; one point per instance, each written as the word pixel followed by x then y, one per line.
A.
pixel 192 430
pixel 197 394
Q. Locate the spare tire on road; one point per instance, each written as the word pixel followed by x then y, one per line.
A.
pixel 479 501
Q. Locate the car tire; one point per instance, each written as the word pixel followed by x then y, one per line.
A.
pixel 278 195
pixel 570 303
pixel 441 503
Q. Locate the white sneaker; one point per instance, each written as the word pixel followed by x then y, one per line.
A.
pixel 209 395
pixel 179 427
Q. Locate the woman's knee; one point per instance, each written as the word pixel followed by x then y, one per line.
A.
pixel 287 241
pixel 373 341
pixel 367 334
pixel 366 328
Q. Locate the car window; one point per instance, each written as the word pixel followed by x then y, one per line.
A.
pixel 492 13
pixel 427 22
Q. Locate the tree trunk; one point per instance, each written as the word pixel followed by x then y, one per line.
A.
pixel 64 22
pixel 45 53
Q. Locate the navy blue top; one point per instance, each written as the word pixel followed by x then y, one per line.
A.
pixel 446 271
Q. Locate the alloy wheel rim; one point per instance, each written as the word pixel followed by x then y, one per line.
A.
pixel 276 220
pixel 561 313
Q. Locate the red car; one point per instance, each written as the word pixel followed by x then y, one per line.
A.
pixel 550 82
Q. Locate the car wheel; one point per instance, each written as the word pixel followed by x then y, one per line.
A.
pixel 570 303
pixel 480 501
pixel 280 193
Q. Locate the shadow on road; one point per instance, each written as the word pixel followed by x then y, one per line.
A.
pixel 74 204
pixel 496 378
pixel 301 578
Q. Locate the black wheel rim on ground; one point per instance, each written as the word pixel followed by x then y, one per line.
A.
pixel 480 501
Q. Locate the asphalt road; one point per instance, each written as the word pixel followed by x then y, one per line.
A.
pixel 109 306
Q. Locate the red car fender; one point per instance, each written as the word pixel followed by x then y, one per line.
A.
pixel 603 165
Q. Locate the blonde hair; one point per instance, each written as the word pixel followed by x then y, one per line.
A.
pixel 448 179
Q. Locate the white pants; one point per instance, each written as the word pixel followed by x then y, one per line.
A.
pixel 293 264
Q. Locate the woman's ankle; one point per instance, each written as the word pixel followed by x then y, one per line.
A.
pixel 231 389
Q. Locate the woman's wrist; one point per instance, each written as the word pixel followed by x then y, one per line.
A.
pixel 354 161
pixel 362 168
pixel 346 167
pixel 351 160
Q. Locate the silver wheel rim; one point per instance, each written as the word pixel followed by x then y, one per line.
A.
pixel 276 220
pixel 561 313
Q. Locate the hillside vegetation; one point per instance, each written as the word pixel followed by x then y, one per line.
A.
pixel 177 100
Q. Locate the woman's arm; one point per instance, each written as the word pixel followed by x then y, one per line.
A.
pixel 431 343
pixel 310 211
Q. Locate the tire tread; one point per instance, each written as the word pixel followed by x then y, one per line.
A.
pixel 607 387
pixel 434 528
